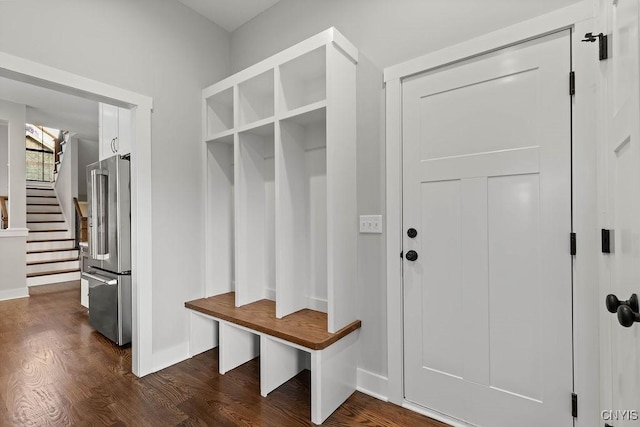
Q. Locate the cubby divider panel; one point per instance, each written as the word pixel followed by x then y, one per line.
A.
pixel 255 215
pixel 302 209
pixel 220 270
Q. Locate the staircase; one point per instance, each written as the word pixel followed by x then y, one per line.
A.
pixel 52 256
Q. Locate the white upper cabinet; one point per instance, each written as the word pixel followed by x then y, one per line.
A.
pixel 280 155
pixel 114 130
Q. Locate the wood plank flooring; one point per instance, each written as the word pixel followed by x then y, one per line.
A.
pixel 56 371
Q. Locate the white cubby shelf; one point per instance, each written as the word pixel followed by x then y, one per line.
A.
pixel 281 217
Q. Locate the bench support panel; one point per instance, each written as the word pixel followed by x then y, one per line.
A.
pixel 237 347
pixel 333 376
pixel 203 333
pixel 279 363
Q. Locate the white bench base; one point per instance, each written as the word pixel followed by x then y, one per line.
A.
pixel 333 369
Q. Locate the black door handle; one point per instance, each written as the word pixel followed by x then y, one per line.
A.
pixel 627 317
pixel 613 303
pixel 628 311
pixel 412 255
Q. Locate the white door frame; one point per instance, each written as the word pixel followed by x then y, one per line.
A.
pixel 580 19
pixel 17 68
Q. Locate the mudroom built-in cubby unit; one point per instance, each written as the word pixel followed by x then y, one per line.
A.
pixel 281 220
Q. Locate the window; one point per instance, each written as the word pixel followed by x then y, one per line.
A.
pixel 43 146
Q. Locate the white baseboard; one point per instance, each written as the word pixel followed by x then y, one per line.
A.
pixel 14 293
pixel 313 303
pixel 271 294
pixel 317 304
pixel 373 385
pixel 164 358
pixel 435 415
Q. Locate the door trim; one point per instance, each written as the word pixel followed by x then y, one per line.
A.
pixel 580 19
pixel 27 71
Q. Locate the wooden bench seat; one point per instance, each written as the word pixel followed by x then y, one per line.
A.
pixel 286 346
pixel 307 328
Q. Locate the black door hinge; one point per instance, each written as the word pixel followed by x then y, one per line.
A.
pixel 606 241
pixel 572 83
pixel 401 253
pixel 603 41
pixel 572 240
pixel 574 405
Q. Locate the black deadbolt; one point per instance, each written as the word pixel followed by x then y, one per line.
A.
pixel 412 255
pixel 412 232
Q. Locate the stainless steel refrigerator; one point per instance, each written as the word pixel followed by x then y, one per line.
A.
pixel 109 226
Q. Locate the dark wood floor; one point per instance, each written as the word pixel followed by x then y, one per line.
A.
pixel 55 370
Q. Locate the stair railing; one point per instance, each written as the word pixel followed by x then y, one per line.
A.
pixel 81 224
pixel 4 213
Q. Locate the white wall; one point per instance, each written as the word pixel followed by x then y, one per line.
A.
pixel 13 257
pixel 164 50
pixel 87 154
pixel 15 115
pixel 13 264
pixel 4 159
pixel 386 32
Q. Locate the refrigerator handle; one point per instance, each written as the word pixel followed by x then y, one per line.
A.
pixel 99 223
pixel 100 279
pixel 93 225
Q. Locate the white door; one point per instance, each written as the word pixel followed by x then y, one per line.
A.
pixel 487 188
pixel 621 345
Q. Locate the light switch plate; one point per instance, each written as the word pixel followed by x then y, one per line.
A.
pixel 371 224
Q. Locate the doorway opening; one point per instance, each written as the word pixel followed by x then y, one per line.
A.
pixel 42 76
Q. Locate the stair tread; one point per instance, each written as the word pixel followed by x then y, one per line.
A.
pixel 44 251
pixel 41 196
pixel 48 231
pixel 44 222
pixel 52 272
pixel 51 261
pixel 44 213
pixel 50 240
pixel 43 204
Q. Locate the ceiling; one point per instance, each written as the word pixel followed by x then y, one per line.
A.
pixel 229 14
pixel 54 109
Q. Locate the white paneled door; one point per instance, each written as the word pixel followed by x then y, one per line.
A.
pixel 621 344
pixel 487 273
